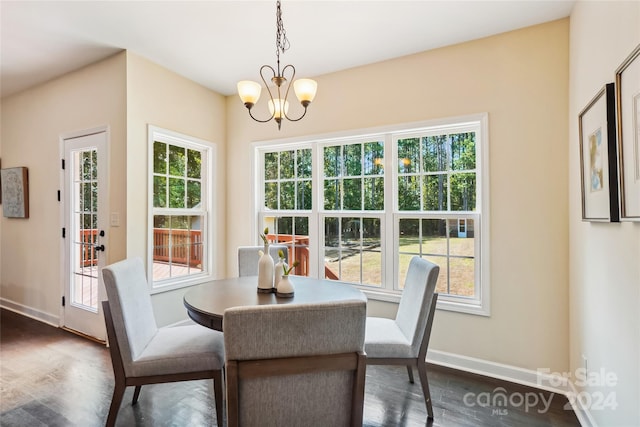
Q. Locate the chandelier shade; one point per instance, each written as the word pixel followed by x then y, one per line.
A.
pixel 305 89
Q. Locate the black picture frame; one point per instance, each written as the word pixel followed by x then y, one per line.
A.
pixel 598 158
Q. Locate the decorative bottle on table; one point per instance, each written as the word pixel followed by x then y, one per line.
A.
pixel 279 268
pixel 285 287
pixel 265 266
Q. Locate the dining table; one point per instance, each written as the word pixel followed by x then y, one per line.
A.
pixel 207 302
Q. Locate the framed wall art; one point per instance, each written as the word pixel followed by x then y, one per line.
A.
pixel 598 158
pixel 628 106
pixel 15 192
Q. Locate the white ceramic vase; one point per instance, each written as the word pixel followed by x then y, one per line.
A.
pixel 285 287
pixel 265 271
pixel 279 271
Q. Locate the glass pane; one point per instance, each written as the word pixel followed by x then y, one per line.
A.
pixel 352 194
pixel 435 192
pixel 287 195
pixel 463 192
pixel 86 165
pixel 434 237
pixel 332 194
pixel 372 268
pixel 374 194
pixel 332 161
pixel 304 163
pixel 435 153
pixel 461 237
pixel 176 160
pixel 287 164
pixel 94 164
pixel 194 161
pixel 331 264
pixel 270 165
pixel 462 276
pixel 332 232
pixel 374 158
pixel 86 196
pixel 193 194
pixel 284 226
pixel 408 155
pixel 371 233
pixel 94 196
pixel 463 151
pixel 302 227
pixel 442 285
pixel 304 195
pixel 159 157
pixel 353 159
pixel 351 232
pixel 271 195
pixel 408 193
pixel 409 238
pixel 176 193
pixel 350 266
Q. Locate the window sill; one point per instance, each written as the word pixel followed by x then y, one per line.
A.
pixel 173 285
pixel 459 307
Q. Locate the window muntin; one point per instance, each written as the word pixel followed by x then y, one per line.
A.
pixel 429 203
pixel 179 214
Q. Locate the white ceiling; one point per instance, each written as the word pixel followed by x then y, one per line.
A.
pixel 217 43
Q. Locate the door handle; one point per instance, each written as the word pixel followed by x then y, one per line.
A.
pixel 98 247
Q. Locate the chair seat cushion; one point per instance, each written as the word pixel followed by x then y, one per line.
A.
pixel 181 349
pixel 384 339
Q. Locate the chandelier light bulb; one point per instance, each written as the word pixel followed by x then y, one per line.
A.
pixel 305 90
pixel 249 92
pixel 275 108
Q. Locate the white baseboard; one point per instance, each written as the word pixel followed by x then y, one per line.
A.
pixel 33 313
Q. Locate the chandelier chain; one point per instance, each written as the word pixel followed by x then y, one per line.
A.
pixel 282 42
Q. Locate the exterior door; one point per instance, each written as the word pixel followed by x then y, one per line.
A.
pixel 84 199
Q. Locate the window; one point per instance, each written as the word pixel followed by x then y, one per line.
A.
pixel 356 209
pixel 179 209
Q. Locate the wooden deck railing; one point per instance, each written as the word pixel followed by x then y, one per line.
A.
pixel 186 246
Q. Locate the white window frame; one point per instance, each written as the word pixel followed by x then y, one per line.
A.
pixel 208 150
pixel 480 303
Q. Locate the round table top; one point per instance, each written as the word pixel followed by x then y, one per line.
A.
pixel 207 302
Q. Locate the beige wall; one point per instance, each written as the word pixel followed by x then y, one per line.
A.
pixel 604 258
pixel 162 98
pixel 32 123
pixel 521 80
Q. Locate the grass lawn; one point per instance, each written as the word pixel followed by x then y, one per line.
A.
pixel 461 270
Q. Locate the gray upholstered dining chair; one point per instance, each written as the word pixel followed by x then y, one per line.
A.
pixel 295 364
pixel 404 340
pixel 142 353
pixel 248 258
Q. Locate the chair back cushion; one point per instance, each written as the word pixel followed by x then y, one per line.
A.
pixel 248 258
pixel 295 330
pixel 413 310
pixel 131 309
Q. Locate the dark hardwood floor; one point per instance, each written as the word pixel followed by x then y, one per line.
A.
pixel 50 377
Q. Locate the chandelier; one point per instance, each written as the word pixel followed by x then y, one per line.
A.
pixel 305 89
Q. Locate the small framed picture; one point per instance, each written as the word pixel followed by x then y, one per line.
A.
pixel 598 159
pixel 628 106
pixel 15 192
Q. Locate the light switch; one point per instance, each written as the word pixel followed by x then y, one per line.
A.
pixel 115 219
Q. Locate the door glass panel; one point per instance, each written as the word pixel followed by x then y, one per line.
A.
pixel 84 232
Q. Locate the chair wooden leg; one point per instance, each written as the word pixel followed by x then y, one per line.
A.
pixel 217 394
pixel 116 400
pixel 136 394
pixel 422 371
pixel 410 372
